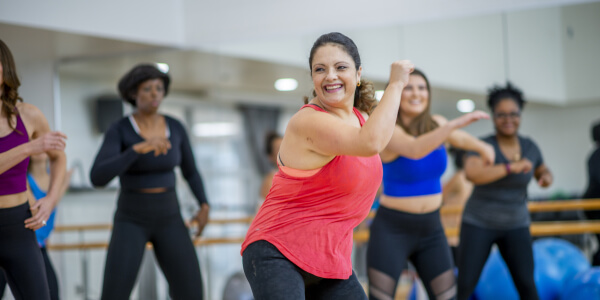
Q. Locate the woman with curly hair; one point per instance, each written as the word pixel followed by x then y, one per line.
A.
pixel 143 149
pixel 300 243
pixel 496 212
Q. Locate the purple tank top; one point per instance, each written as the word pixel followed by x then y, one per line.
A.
pixel 14 180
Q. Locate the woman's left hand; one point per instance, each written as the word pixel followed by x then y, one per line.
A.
pixel 40 211
pixel 545 180
pixel 201 219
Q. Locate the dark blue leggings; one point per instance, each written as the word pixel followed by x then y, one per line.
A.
pixel 399 236
pixel 514 246
pixel 20 255
pixel 272 276
pixel 155 218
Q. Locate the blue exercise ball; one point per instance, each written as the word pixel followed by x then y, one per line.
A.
pixel 568 259
pixel 495 281
pixel 585 285
pixel 555 262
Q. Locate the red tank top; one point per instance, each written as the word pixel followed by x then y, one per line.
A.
pixel 311 219
pixel 14 180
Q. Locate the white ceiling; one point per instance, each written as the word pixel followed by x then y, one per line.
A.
pixel 234 21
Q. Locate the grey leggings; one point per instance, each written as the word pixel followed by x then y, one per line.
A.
pixel 272 276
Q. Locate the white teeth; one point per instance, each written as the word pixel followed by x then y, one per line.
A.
pixel 333 87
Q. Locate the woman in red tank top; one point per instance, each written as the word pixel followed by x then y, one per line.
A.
pixel 24 131
pixel 300 242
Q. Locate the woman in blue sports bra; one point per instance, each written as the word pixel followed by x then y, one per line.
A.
pixel 407 224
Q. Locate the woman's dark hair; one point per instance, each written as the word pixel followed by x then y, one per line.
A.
pixel 364 95
pixel 130 82
pixel 596 132
pixel 269 138
pixel 10 85
pixel 498 93
pixel 423 123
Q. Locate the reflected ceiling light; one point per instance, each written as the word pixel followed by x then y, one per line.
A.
pixel 465 105
pixel 163 67
pixel 215 129
pixel 286 84
pixel 378 95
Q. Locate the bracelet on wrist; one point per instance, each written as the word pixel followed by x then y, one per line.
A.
pixel 507 166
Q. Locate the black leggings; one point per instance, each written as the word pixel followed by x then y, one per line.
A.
pixel 155 218
pixel 514 246
pixel 594 215
pixel 272 276
pixel 399 236
pixel 20 255
pixel 50 274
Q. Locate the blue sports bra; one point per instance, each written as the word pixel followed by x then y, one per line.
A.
pixel 405 177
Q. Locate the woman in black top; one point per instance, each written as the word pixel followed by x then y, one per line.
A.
pixel 496 212
pixel 593 188
pixel 143 149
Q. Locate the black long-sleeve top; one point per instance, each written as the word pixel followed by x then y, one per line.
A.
pixel 141 171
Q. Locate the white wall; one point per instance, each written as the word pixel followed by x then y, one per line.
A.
pixel 37 86
pixel 581 36
pixel 535 53
pixel 152 21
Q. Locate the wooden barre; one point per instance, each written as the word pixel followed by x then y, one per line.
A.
pixel 541 206
pixel 538 206
pixel 536 228
pixel 103 245
pixel 63 228
pixel 535 206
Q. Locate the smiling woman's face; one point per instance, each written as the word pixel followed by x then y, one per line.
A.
pixel 334 75
pixel 507 117
pixel 415 96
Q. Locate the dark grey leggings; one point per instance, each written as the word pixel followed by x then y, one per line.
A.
pixel 20 255
pixel 399 236
pixel 142 218
pixel 514 246
pixel 272 276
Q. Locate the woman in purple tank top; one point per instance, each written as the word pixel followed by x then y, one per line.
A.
pixel 24 131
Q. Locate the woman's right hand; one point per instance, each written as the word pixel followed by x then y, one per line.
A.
pixel 400 72
pixel 521 166
pixel 159 145
pixel 467 119
pixel 53 140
